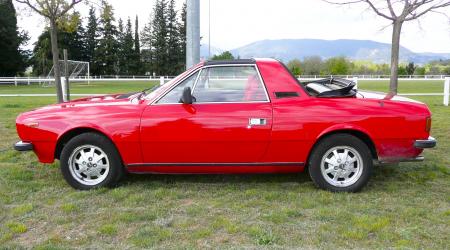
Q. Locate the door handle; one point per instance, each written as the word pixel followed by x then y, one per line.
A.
pixel 256 122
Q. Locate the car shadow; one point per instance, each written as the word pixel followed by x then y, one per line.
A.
pixel 219 178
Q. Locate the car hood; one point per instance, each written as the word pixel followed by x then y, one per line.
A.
pixel 383 96
pixel 93 101
pixel 105 97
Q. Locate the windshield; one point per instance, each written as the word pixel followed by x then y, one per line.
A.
pixel 159 89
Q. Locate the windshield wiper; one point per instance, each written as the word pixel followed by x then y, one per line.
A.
pixel 144 91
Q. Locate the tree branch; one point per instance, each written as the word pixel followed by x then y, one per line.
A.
pixel 27 2
pixel 64 11
pixel 433 7
pixel 391 9
pixel 369 2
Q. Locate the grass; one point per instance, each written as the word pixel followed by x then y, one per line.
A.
pixel 404 206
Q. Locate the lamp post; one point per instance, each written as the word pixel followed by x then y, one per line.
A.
pixel 192 32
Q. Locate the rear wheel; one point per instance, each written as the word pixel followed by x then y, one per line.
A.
pixel 89 161
pixel 341 163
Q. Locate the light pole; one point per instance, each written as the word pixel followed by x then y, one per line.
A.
pixel 192 32
pixel 209 29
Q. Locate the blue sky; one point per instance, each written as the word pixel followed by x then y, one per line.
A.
pixel 236 23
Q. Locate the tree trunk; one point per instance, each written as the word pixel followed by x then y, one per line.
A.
pixel 55 53
pixel 395 49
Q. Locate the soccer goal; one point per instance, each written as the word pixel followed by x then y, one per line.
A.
pixel 77 70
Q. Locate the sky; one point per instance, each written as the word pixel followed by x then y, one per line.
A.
pixel 236 23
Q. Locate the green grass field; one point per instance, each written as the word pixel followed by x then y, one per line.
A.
pixel 404 206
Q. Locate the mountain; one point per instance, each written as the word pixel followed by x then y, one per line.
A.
pixel 288 49
pixel 204 51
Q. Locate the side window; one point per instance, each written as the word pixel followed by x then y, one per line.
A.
pixel 229 84
pixel 175 94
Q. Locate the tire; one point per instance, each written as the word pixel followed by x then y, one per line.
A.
pixel 340 163
pixel 91 160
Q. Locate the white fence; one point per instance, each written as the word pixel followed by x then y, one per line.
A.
pixel 162 79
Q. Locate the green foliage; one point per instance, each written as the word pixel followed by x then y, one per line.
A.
pixel 159 35
pixel 174 64
pixel 70 37
pixel 224 56
pixel 106 53
pixel 337 66
pixel 410 68
pixel 312 65
pixel 13 60
pixel 402 70
pixel 295 66
pixel 419 71
pixel 135 65
pixel 91 37
pixel 114 49
pixel 127 51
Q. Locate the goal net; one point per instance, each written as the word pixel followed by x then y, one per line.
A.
pixel 75 70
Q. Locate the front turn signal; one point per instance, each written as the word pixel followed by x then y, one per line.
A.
pixel 32 124
pixel 428 124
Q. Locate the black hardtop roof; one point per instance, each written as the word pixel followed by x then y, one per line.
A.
pixel 235 61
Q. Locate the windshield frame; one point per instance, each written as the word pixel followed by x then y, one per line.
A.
pixel 162 89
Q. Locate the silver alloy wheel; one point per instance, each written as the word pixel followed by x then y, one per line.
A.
pixel 341 166
pixel 89 165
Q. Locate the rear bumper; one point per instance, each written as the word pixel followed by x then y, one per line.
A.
pixel 429 143
pixel 23 146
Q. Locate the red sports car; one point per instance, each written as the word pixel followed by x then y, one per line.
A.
pixel 239 116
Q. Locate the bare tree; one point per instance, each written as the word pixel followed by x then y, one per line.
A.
pixel 53 10
pixel 398 12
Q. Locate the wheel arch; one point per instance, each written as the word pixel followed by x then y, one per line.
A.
pixel 71 133
pixel 358 133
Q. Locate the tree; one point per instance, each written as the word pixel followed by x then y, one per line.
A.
pixel 173 42
pixel 402 71
pixel 398 12
pixel 312 65
pixel 337 66
pixel 410 68
pixel 13 59
pixel 53 10
pixel 106 53
pixel 72 31
pixel 70 37
pixel 295 66
pixel 137 67
pixel 159 35
pixel 224 56
pixel 127 50
pixel 121 57
pixel 147 48
pixel 91 40
pixel 182 33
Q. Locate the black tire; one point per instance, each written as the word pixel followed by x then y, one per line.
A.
pixel 116 169
pixel 340 140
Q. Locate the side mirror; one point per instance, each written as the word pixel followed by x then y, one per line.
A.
pixel 187 97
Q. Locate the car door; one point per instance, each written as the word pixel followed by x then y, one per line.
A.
pixel 230 121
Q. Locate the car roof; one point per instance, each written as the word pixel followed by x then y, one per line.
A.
pixel 235 61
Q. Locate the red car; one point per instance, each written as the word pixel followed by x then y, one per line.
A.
pixel 240 116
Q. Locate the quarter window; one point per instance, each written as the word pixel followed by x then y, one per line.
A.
pixel 174 95
pixel 229 84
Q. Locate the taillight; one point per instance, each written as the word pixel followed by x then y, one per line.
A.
pixel 428 124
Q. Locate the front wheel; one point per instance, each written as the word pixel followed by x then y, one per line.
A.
pixel 89 161
pixel 341 163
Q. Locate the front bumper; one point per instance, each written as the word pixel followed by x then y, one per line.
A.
pixel 23 146
pixel 429 143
